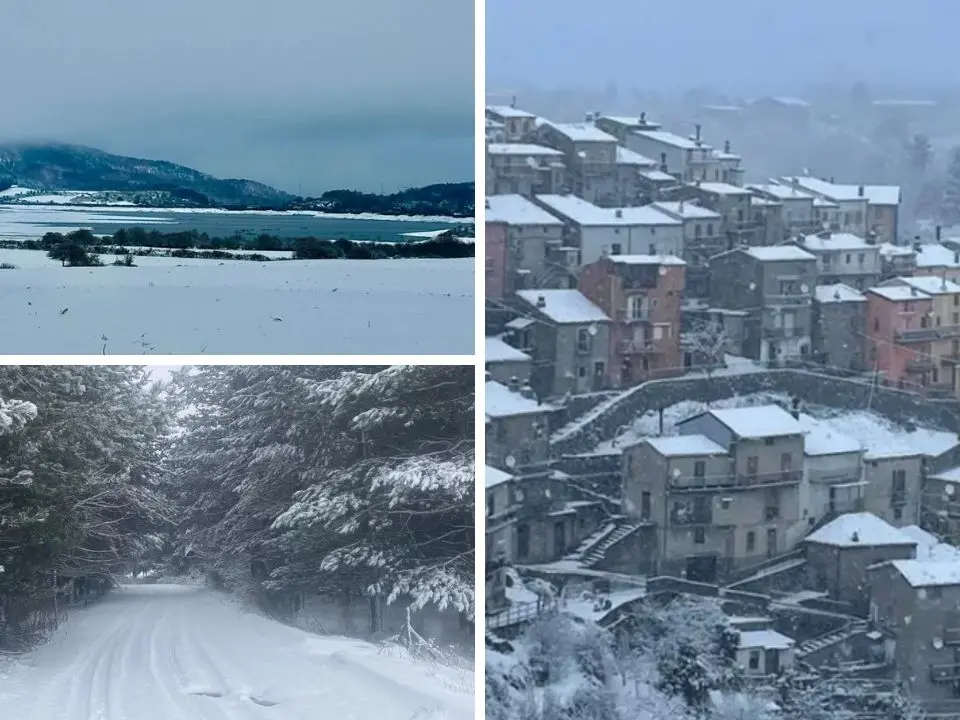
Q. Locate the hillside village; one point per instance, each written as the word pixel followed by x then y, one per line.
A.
pixel 702 386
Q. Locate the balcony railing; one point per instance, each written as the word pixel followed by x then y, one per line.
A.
pixel 636 347
pixel 791 299
pixel 721 482
pixel 626 316
pixel 919 364
pixel 918 335
pixel 692 517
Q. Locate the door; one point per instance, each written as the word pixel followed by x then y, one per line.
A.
pixel 771 662
pixel 559 538
pixel 771 542
pixel 702 568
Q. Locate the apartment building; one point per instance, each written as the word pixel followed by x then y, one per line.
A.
pixel 725 492
pixel 571 342
pixel 833 481
pixel 686 159
pixel 702 239
pixel 594 170
pixel 844 258
pixel 798 212
pixel 524 248
pixel 900 334
pixel 945 347
pixel 517 426
pixel 740 224
pixel 916 601
pixel 936 259
pixel 731 170
pixel 768 215
pixel 774 286
pixel 839 337
pixel 516 123
pixel 524 168
pixel 600 231
pixel 892 479
pixel 853 203
pixel 899 260
pixel 643 295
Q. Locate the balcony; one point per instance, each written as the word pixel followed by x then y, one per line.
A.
pixel 945 672
pixel 784 333
pixel 734 482
pixel 703 516
pixel 626 316
pixel 636 347
pixel 919 365
pixel 792 299
pixel 918 335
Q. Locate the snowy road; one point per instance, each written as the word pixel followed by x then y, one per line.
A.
pixel 167 652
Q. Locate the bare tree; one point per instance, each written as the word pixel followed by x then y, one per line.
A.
pixel 708 342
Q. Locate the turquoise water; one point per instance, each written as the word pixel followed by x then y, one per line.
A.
pixel 228 224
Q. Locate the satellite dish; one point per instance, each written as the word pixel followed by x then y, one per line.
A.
pixel 804 288
pixel 592 329
pixel 676 472
pixel 752 286
pixel 949 490
pixel 663 270
pixel 937 643
pixel 510 461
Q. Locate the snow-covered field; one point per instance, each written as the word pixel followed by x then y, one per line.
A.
pixel 168 652
pixel 180 306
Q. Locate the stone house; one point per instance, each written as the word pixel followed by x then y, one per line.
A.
pixel 775 286
pixel 524 168
pixel 702 239
pixel 516 123
pixel 505 363
pixel 893 480
pixel 765 652
pixel 833 469
pixel 571 347
pixel 839 553
pixel 839 337
pixel 532 235
pixel 844 258
pixel 517 426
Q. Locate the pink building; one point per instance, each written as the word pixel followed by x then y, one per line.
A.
pixel 642 294
pixel 495 256
pixel 900 333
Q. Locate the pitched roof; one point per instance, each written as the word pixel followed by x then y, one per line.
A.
pixel 861 529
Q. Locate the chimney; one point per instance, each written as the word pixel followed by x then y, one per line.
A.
pixel 680 207
pixel 795 183
pixel 917 247
pixel 795 408
pixel 939 232
pixel 618 213
pixel 859 190
pixel 836 294
pixel 855 537
pixel 831 180
pixel 643 118
pixel 588 118
pixel 597 114
pixel 824 234
pixel 541 301
pixel 514 384
pixel 513 102
pixel 663 162
pixel 913 291
pixel 527 391
pixel 956 258
pixel 726 146
pixel 697 133
pixel 872 237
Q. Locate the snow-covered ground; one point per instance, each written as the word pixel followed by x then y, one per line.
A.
pixel 180 306
pixel 168 652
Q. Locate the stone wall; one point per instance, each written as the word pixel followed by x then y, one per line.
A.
pixel 606 420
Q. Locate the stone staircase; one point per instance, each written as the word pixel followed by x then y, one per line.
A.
pixel 592 550
pixel 831 638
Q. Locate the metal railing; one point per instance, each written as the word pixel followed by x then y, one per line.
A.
pixel 692 482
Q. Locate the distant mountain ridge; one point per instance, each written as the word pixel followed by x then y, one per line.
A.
pixel 158 183
pixel 60 166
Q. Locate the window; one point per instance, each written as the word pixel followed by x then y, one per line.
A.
pixel 847 260
pixel 786 462
pixel 697 230
pixel 740 216
pixel 858 217
pixel 898 513
pixel 583 340
pixel 699 468
pixel 768 441
pixel 956 318
pixel 581 371
pixel 709 228
pixel 788 287
pixel 754 660
pixel 523 541
pixel 491 505
pixel 616 249
pixel 645 507
pixel 751 540
pixel 846 218
pixel 861 257
pixel 699 536
pixel 898 494
pixel 652 249
pixel 876 324
pixel 636 307
pixel 752 465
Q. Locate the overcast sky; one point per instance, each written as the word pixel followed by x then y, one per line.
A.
pixel 295 93
pixel 737 46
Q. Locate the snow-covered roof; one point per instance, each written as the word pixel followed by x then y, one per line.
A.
pixel 821 439
pixel 929 573
pixel 759 421
pixel 658 176
pixel 520 323
pixel 493 476
pixel 898 293
pixel 500 402
pixel 521 149
pixel 773 253
pixel 687 210
pixel 838 292
pixel 506 111
pixel 861 529
pixel 929 284
pixel 668 138
pixel 782 192
pixel 630 121
pixel 685 445
pixel 496 350
pixel 835 242
pixel 646 260
pixel 819 202
pixel 828 189
pixel 891 250
pixel 564 306
pixel 585 213
pixel 517 210
pixel 582 132
pixel 625 156
pixel 766 639
pixel 788 100
pixel 722 188
pixel 929 547
pixel 884 439
pixel 937 255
